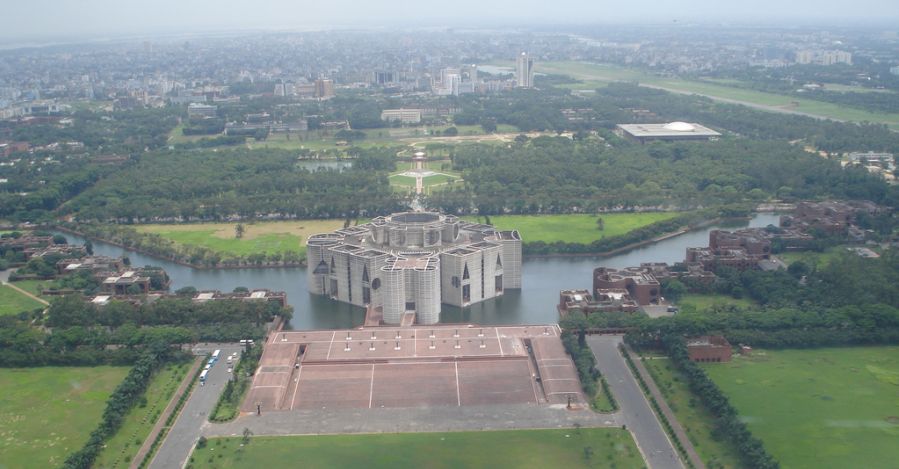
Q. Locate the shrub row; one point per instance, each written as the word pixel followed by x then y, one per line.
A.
pixel 666 424
pixel 751 450
pixel 125 396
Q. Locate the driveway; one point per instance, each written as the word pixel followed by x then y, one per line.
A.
pixel 635 412
pixel 179 442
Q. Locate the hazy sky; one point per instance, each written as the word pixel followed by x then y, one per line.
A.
pixel 92 18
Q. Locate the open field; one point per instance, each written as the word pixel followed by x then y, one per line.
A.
pixel 814 259
pixel 696 302
pixel 32 286
pixel 47 413
pixel 596 75
pixel 821 408
pixel 14 302
pixel 122 447
pixel 259 238
pixel 697 421
pixel 608 447
pixel 579 228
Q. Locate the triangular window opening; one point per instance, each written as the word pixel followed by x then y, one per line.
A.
pixel 465 275
pixel 365 273
pixel 499 261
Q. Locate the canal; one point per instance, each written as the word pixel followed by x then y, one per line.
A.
pixel 542 278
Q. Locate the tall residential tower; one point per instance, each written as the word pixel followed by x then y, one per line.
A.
pixel 524 71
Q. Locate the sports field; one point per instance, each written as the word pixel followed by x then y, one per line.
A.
pixel 597 75
pixel 14 302
pixel 578 228
pixel 819 408
pixel 567 448
pixel 258 238
pixel 47 413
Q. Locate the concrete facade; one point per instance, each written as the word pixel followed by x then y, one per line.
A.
pixel 414 262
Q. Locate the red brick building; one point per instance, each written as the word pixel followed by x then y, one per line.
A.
pixel 709 349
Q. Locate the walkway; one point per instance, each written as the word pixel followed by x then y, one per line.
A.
pixel 409 420
pixel 657 449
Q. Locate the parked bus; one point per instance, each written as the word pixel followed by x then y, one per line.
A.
pixel 215 355
pixel 203 377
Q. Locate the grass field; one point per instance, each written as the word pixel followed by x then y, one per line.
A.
pixel 821 408
pixel 263 237
pixel 32 286
pixel 695 302
pixel 814 259
pixel 439 179
pixel 47 413
pixel 608 447
pixel 697 421
pixel 14 302
pixel 122 447
pixel 597 75
pixel 575 228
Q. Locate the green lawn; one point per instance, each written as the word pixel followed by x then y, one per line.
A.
pixel 697 421
pixel 819 408
pixel 430 181
pixel 33 286
pixel 47 413
pixel 122 447
pixel 814 259
pixel 597 75
pixel 575 228
pixel 608 447
pixel 14 302
pixel 696 302
pixel 259 238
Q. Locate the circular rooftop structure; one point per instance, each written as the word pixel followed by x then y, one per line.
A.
pixel 680 127
pixel 409 218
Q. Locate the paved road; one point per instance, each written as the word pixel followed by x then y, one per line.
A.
pixel 425 419
pixel 635 410
pixel 180 440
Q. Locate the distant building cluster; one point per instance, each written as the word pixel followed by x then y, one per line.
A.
pixel 823 57
pixel 635 289
pixel 404 266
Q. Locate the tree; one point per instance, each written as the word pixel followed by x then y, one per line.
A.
pixel 246 436
pixel 451 132
pixel 600 224
pixel 239 230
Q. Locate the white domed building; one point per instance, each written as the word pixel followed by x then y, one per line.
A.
pixel 412 262
pixel 672 131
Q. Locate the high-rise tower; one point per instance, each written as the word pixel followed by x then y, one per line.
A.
pixel 524 71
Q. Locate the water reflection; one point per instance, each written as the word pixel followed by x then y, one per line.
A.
pixel 542 279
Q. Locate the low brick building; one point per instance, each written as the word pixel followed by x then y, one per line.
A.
pixel 639 283
pixel 709 349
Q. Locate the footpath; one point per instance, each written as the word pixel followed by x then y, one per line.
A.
pixel 669 414
pixel 164 417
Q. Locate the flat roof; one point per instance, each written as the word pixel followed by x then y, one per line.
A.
pixel 666 130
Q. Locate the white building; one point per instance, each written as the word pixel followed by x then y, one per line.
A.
pixel 406 116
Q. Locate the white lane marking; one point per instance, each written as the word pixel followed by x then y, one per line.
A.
pixel 371 387
pixel 294 398
pixel 458 393
pixel 331 344
pixel 500 342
